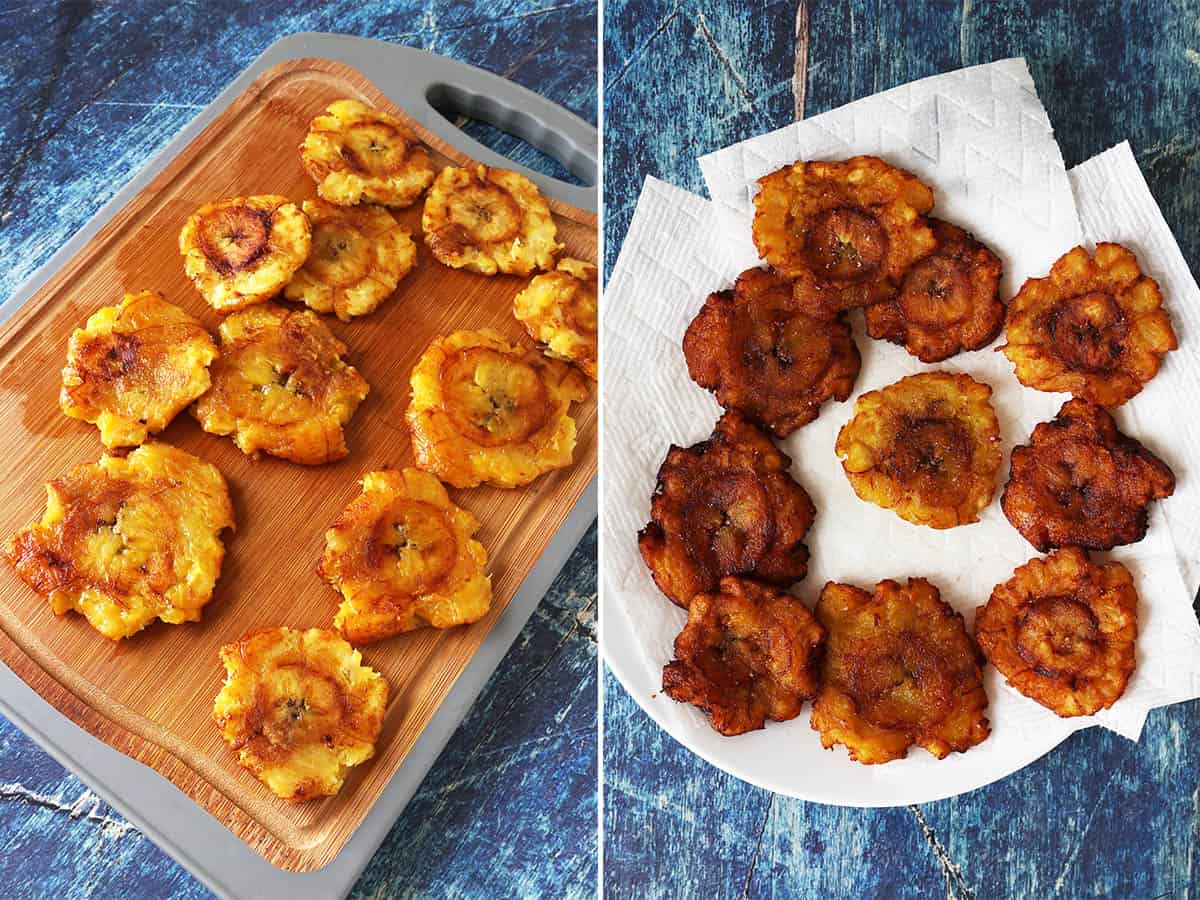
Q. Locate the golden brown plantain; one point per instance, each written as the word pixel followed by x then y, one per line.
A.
pixel 134 366
pixel 726 506
pixel 243 251
pixel 489 221
pixel 1062 631
pixel 281 386
pixel 747 654
pixel 1080 482
pixel 559 311
pixel 359 254
pixel 926 447
pixel 844 232
pixel 128 540
pixel 487 411
pixel 300 709
pixel 760 354
pixel 947 301
pixel 1094 327
pixel 358 154
pixel 403 558
pixel 900 669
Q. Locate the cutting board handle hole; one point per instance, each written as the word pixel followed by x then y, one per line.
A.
pixel 516 134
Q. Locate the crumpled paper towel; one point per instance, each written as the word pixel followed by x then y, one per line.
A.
pixel 679 249
pixel 1115 204
pixel 978 136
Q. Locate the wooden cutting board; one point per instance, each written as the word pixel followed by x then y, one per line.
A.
pixel 151 696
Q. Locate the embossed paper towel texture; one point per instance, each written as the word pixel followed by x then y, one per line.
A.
pixel 983 141
pixel 674 255
pixel 978 136
pixel 1115 204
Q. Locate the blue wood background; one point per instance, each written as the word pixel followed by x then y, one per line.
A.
pixel 1099 816
pixel 90 92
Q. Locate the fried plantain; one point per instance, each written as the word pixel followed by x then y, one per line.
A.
pixel 402 556
pixel 559 311
pixel 899 669
pixel 134 366
pixel 488 221
pixel 1081 482
pixel 1062 631
pixel 300 709
pixel 243 251
pixel 1094 327
pixel 726 506
pixel 128 540
pixel 358 154
pixel 487 411
pixel 926 447
pixel 281 386
pixel 359 254
pixel 758 353
pixel 748 653
pixel 947 301
pixel 844 232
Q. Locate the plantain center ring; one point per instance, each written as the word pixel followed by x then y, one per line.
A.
pixel 1089 331
pixel 493 398
pixel 340 254
pixel 301 705
pixel 846 244
pixel 728 522
pixel 413 545
pixel 375 148
pixel 486 213
pixel 1058 636
pixel 233 237
pixel 936 291
pixel 900 682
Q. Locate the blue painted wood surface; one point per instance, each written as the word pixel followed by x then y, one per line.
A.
pixel 1098 816
pixel 91 91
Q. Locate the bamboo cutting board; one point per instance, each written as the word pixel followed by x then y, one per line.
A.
pixel 151 696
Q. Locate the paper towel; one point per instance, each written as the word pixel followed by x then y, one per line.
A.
pixel 1115 204
pixel 679 249
pixel 978 136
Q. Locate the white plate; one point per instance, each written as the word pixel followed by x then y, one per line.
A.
pixel 675 254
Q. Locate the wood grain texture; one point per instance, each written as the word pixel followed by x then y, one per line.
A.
pixel 117 691
pixel 1097 817
pixel 59 848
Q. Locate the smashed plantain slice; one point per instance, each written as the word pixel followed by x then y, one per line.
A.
pixel 358 154
pixel 128 540
pixel 402 556
pixel 559 311
pixel 489 221
pixel 758 353
pixel 487 411
pixel 280 386
pixel 1094 327
pixel 243 251
pixel 926 447
pixel 947 301
pixel 134 366
pixel 1081 482
pixel 726 506
pixel 359 254
pixel 300 709
pixel 899 669
pixel 1062 631
pixel 844 232
pixel 748 653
